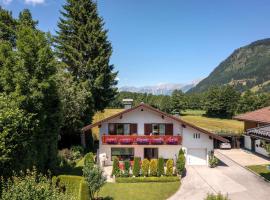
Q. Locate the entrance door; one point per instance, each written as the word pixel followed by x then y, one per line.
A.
pixel 151 153
pixel 253 144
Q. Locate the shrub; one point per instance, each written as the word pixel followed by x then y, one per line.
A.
pixel 147 179
pixel 136 166
pixel 180 163
pixel 116 169
pixel 94 179
pixel 31 185
pixel 169 167
pixel 153 167
pixel 213 161
pixel 145 167
pixel 160 167
pixel 219 196
pixel 126 168
pixel 89 160
pixel 76 152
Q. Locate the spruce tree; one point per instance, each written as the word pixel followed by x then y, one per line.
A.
pixel 83 47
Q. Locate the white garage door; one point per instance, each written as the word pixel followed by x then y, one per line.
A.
pixel 196 157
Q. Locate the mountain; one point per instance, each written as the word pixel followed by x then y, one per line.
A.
pixel 160 89
pixel 246 68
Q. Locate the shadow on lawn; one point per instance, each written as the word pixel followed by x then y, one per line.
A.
pixel 69 170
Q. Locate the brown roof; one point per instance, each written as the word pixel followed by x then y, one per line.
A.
pixel 142 105
pixel 261 116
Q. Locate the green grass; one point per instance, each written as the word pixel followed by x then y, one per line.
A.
pixel 261 170
pixel 216 124
pixel 139 191
pixel 193 112
pixel 164 179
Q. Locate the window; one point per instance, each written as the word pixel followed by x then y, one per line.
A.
pixel 121 128
pixel 122 153
pixel 196 135
pixel 158 129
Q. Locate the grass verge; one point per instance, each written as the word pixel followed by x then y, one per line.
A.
pixel 147 179
pixel 261 170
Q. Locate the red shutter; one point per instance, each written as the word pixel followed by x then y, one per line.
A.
pixel 133 129
pixel 147 129
pixel 168 129
pixel 112 129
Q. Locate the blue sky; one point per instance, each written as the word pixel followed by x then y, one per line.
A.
pixel 167 41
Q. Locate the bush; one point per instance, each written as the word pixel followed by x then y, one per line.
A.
pixel 116 169
pixel 32 185
pixel 169 167
pixel 160 167
pixel 147 179
pixel 145 167
pixel 89 160
pixel 126 168
pixel 213 161
pixel 76 152
pixel 219 196
pixel 136 166
pixel 94 179
pixel 180 163
pixel 153 167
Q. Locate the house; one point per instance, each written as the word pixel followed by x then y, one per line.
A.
pixel 257 129
pixel 143 131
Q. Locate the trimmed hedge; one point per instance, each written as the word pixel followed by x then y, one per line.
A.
pixel 136 166
pixel 116 169
pixel 147 179
pixel 169 167
pixel 145 167
pixel 153 167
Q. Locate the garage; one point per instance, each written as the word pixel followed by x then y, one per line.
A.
pixel 196 157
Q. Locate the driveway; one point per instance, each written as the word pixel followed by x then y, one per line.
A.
pixel 244 157
pixel 229 178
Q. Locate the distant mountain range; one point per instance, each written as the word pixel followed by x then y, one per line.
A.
pixel 161 89
pixel 246 68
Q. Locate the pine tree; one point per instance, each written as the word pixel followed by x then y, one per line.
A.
pixel 85 51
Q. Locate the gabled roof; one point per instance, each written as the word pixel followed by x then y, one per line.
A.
pixel 142 105
pixel 262 116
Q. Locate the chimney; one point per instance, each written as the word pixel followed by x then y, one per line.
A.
pixel 127 103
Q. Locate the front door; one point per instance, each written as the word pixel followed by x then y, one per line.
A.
pixel 253 144
pixel 151 153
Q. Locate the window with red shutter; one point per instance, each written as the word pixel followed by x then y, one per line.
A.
pixel 147 129
pixel 133 129
pixel 168 129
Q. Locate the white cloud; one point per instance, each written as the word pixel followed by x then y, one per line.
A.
pixel 117 79
pixel 6 2
pixel 34 2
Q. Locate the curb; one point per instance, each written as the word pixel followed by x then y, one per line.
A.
pixel 244 167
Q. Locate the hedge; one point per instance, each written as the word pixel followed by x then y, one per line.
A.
pixel 74 186
pixel 147 179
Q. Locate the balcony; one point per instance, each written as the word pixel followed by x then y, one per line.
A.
pixel 141 139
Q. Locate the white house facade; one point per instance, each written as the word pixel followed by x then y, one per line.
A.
pixel 146 132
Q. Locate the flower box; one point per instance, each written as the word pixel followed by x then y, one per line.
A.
pixel 111 141
pixel 126 141
pixel 157 141
pixel 172 141
pixel 142 141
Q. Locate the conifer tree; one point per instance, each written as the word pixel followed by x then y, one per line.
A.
pixel 83 47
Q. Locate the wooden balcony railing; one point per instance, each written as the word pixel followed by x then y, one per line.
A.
pixel 141 139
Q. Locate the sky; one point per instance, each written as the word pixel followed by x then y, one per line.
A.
pixel 166 41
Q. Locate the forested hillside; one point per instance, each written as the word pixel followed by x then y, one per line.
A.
pixel 246 68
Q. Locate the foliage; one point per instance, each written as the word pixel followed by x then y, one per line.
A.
pixel 169 167
pixel 32 185
pixel 221 101
pixel 212 161
pixel 95 180
pixel 160 167
pixel 89 160
pixel 136 167
pixel 145 167
pixel 181 161
pixel 115 169
pixel 153 167
pixel 218 196
pixel 147 179
pixel 266 146
pixel 83 47
pixel 179 101
pixel 126 168
pixel 7 26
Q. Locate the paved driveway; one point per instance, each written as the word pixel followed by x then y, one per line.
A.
pixel 230 178
pixel 244 157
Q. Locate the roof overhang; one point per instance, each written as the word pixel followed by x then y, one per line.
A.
pixel 142 105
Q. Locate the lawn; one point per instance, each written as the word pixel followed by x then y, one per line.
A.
pixel 139 191
pixel 261 170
